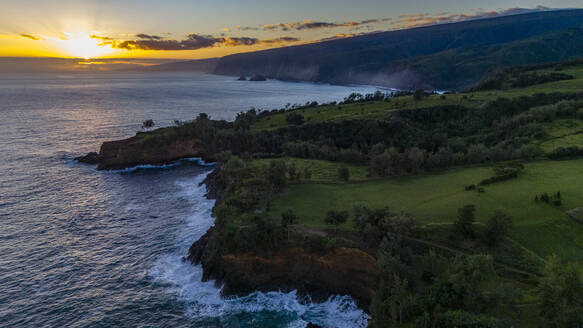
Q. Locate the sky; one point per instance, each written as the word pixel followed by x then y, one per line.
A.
pixel 194 29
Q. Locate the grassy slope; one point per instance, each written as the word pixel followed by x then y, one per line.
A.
pixel 379 109
pixel 434 199
pixel 540 228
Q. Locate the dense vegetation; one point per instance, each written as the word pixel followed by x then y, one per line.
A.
pixel 457 196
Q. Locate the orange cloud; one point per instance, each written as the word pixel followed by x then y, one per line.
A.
pixel 32 37
pixel 418 20
pixel 192 42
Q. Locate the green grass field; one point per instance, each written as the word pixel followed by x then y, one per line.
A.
pixel 434 199
pixel 379 109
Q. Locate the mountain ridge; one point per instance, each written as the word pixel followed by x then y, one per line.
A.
pixel 386 58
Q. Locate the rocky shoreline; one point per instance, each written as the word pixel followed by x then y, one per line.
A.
pixel 131 152
pixel 320 274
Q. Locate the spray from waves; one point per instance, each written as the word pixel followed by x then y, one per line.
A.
pixel 196 160
pixel 204 299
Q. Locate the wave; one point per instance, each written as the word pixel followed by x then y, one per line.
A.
pixel 204 300
pixel 197 160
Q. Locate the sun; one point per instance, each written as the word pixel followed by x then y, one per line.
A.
pixel 82 45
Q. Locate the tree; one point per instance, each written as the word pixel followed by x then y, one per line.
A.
pixel 244 120
pixel 463 226
pixel 561 290
pixel 293 172
pixel 336 218
pixel 477 153
pixel 418 95
pixel 416 159
pixel 276 174
pixel 380 165
pixel 294 119
pixel 147 124
pixel 497 228
pixel 343 173
pixel 288 218
pixel 307 173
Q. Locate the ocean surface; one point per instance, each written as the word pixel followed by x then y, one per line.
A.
pixel 86 248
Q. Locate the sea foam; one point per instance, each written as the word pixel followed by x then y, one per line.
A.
pixel 203 299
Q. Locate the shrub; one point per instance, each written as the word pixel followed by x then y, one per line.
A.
pixel 380 165
pixel 307 173
pixel 336 218
pixel 463 225
pixel 343 173
pixel 147 124
pixel 563 152
pixel 497 228
pixel 295 119
pixel 276 174
pixel 499 178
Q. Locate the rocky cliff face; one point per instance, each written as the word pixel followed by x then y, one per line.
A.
pixel 345 271
pixel 341 270
pixel 134 151
pixel 121 154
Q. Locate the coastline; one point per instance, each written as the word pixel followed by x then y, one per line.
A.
pixel 314 273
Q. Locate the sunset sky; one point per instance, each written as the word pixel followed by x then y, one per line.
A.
pixel 201 29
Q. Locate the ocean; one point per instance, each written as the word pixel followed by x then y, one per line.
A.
pixel 87 248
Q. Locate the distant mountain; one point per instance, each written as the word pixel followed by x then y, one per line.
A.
pixel 461 68
pixel 447 56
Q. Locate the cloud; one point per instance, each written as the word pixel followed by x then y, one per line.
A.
pixel 103 38
pixel 32 37
pixel 340 36
pixel 280 40
pixel 305 25
pixel 247 28
pixel 192 42
pixel 410 21
pixel 148 37
pixel 312 25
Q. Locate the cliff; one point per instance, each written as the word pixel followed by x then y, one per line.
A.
pixel 317 272
pixel 121 154
pixel 341 270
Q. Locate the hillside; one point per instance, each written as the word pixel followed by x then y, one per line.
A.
pixel 447 56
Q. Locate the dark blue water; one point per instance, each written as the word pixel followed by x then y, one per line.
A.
pixel 83 248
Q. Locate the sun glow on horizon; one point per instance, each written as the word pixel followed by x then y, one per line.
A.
pixel 82 45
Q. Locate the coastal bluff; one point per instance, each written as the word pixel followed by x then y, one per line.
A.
pixel 134 151
pixel 319 273
pixel 337 271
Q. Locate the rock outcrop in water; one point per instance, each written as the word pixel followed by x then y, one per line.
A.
pixel 121 154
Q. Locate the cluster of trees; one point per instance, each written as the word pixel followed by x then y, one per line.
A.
pixel 296 174
pixel 522 76
pixel 565 152
pixel 497 227
pixel 336 218
pixel 295 119
pixel 504 171
pixel 560 290
pixel 428 289
pixel 405 142
pixel 554 199
pixel 376 96
pixel 515 79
